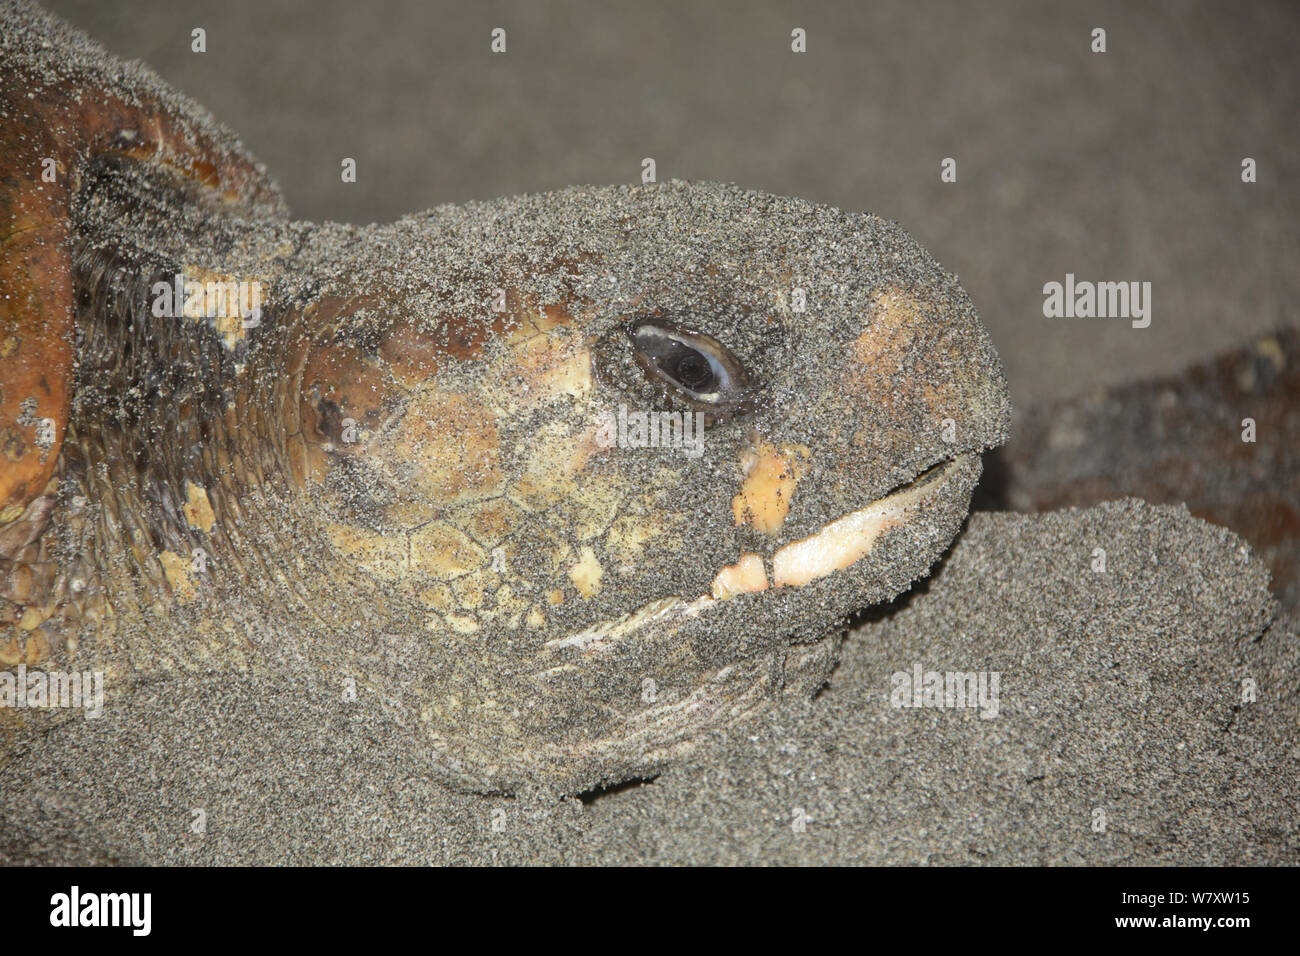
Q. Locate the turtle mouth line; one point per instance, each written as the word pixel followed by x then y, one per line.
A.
pixel 849 539
pixel 839 544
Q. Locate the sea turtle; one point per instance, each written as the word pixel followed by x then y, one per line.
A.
pixel 565 480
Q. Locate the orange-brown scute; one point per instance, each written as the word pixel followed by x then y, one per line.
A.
pixel 890 364
pixel 452 442
pixel 416 351
pixel 412 355
pixel 341 382
pixel 548 366
pixel 35 348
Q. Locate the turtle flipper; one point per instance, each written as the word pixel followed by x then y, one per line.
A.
pixel 65 103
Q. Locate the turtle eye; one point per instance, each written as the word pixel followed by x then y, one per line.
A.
pixel 699 368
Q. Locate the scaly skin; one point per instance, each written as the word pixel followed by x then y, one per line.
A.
pixel 397 479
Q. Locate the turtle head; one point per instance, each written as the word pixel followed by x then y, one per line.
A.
pixel 635 454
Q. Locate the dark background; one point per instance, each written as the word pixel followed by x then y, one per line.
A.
pixel 1115 166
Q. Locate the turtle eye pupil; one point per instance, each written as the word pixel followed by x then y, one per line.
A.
pixel 695 367
pixel 693 371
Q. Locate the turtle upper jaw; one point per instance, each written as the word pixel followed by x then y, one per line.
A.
pixel 838 545
pixel 848 539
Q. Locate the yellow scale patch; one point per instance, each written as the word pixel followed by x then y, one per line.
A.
pixel 197 507
pixel 222 300
pixel 771 475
